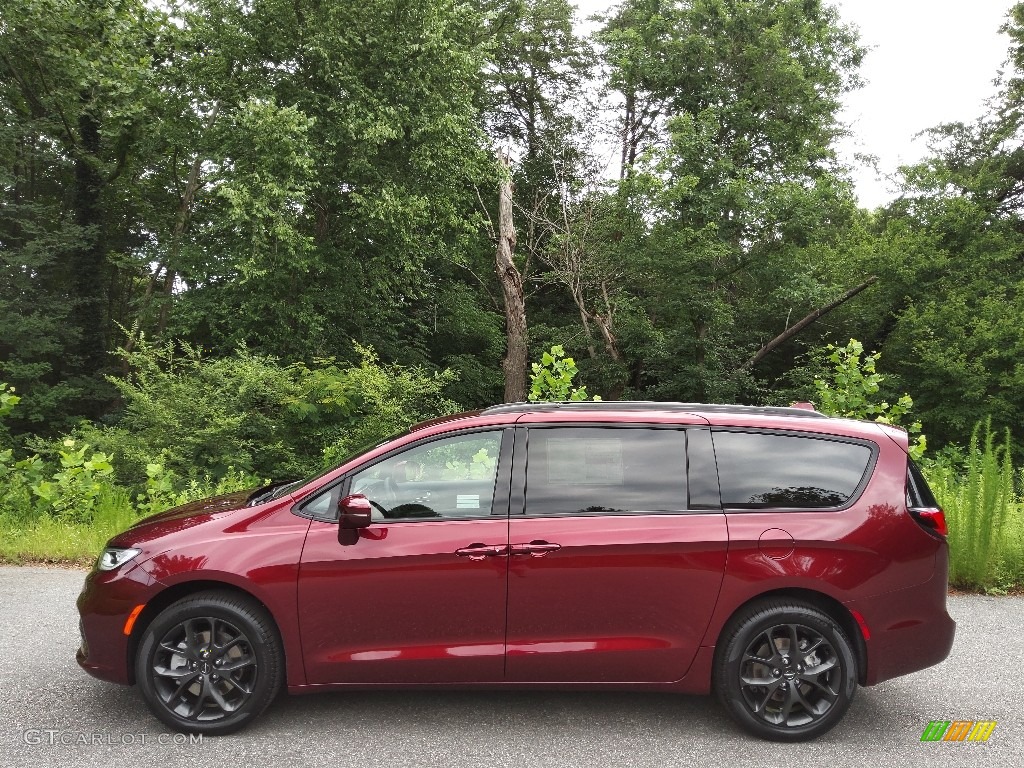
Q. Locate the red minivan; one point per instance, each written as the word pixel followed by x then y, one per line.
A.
pixel 773 555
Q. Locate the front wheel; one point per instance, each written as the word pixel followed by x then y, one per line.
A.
pixel 209 663
pixel 785 671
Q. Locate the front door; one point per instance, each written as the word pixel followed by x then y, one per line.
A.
pixel 420 598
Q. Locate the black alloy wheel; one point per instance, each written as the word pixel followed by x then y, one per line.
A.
pixel 786 671
pixel 209 663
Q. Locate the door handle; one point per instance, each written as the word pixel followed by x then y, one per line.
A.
pixel 480 551
pixel 536 548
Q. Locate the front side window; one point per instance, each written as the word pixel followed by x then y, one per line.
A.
pixel 587 470
pixel 759 471
pixel 448 478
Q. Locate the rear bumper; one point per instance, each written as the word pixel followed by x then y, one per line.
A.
pixel 910 629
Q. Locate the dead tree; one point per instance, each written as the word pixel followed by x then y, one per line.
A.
pixel 514 363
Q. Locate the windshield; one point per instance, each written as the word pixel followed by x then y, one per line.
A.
pixel 281 490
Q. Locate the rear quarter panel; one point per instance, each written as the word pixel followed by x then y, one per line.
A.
pixel 857 554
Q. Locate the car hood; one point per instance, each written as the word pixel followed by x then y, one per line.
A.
pixel 179 518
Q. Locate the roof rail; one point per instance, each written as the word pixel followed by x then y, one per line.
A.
pixel 640 405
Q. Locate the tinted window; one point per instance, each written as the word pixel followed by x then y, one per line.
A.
pixel 919 495
pixel 703 476
pixel 576 470
pixel 763 470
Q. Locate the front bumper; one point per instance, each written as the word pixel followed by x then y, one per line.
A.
pixel 107 600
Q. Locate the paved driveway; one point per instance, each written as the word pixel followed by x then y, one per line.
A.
pixel 45 697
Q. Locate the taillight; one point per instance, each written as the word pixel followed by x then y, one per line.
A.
pixel 931 518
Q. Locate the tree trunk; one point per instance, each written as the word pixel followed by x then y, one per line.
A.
pixel 815 315
pixel 628 139
pixel 181 220
pixel 514 363
pixel 87 260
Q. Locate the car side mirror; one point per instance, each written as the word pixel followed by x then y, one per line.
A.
pixel 354 512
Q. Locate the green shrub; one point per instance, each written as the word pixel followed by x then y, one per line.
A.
pixel 386 399
pixel 853 390
pixel 982 512
pixel 552 378
pixel 247 413
pixel 198 417
pixel 164 489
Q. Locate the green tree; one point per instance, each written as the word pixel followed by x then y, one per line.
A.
pixel 948 316
pixel 77 89
pixel 737 103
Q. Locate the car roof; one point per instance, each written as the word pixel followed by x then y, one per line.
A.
pixel 697 409
pixel 801 418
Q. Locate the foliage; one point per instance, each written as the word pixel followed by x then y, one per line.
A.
pixel 164 489
pixel 197 416
pixel 392 399
pixel 983 512
pixel 76 486
pixel 231 192
pixel 853 393
pixel 552 378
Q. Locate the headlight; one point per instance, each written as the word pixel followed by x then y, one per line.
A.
pixel 115 557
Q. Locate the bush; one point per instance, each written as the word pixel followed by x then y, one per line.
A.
pixel 853 393
pixel 552 378
pixel 386 399
pixel 983 513
pixel 249 414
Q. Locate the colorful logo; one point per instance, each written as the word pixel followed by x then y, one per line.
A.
pixel 958 730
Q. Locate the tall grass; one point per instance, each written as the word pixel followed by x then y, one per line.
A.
pixel 31 531
pixel 45 538
pixel 983 512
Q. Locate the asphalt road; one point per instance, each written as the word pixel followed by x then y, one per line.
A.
pixel 45 697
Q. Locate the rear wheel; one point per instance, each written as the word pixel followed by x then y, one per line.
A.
pixel 209 663
pixel 785 671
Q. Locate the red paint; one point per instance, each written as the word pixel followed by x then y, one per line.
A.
pixel 635 600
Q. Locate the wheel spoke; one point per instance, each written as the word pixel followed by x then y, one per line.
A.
pixel 234 666
pixel 805 652
pixel 826 689
pixel 175 674
pixel 245 689
pixel 759 682
pixel 191 638
pixel 794 642
pixel 767 697
pixel 220 650
pixel 197 706
pixel 798 698
pixel 787 706
pixel 217 697
pixel 825 666
pixel 182 685
pixel 174 648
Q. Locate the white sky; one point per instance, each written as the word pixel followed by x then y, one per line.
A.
pixel 929 62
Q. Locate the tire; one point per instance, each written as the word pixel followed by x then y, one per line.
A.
pixel 210 663
pixel 773 693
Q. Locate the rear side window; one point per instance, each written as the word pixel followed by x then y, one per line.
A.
pixel 759 470
pixel 593 470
